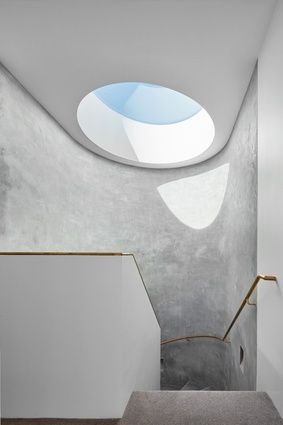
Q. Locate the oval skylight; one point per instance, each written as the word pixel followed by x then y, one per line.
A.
pixel 145 123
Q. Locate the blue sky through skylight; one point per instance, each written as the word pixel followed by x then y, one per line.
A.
pixel 148 103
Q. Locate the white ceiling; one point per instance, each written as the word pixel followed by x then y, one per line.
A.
pixel 60 50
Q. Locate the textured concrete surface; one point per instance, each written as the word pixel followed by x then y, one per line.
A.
pixel 55 195
pixel 241 240
pixel 200 408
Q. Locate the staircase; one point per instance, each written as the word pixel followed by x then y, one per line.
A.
pixel 200 408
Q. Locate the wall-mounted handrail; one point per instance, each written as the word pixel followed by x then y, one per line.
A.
pixel 188 338
pixel 246 300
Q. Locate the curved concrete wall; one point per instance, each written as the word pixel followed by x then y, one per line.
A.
pixel 193 229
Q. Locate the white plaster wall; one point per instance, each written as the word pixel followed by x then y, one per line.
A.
pixel 140 334
pixel 270 211
pixel 62 336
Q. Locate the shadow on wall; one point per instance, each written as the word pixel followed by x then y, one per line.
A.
pixel 196 201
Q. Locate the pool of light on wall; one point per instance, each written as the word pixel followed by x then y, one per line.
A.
pixel 145 123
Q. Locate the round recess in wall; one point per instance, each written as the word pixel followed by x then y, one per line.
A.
pixel 145 124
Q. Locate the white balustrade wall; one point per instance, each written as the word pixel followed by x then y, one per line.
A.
pixel 77 334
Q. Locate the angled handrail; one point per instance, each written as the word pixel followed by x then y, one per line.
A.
pixel 246 300
pixel 129 254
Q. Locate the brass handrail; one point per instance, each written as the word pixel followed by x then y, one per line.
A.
pixel 78 253
pixel 91 253
pixel 245 301
pixel 143 282
pixel 167 341
pixel 188 338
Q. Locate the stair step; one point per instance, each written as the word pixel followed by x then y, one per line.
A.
pixel 200 408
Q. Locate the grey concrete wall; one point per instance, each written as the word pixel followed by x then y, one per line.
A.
pixel 55 195
pixel 241 237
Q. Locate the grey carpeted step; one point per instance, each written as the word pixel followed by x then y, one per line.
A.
pixel 200 408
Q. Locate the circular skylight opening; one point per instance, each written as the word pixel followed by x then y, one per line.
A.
pixel 145 124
